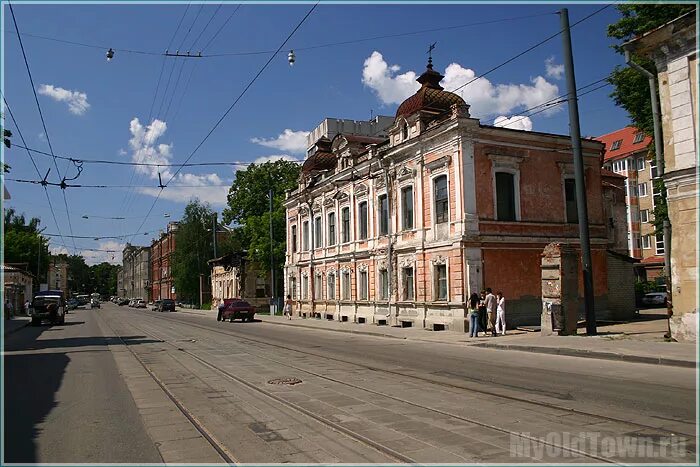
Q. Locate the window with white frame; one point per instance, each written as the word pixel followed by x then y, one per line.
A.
pixel 616 145
pixel 383 284
pixel 646 242
pixel 637 241
pixel 644 215
pixel 345 285
pixel 440 275
pixel 331 229
pixel 641 163
pixel 363 285
pixel 305 287
pixel 318 233
pixel 305 236
pixel 408 290
pixel 331 286
pixel 345 215
pixel 652 171
pixel 642 189
pixel 407 208
pixel 441 196
pixel 363 220
pixel 318 286
pixel 294 239
pixel 638 138
pixel 659 244
pixel 383 202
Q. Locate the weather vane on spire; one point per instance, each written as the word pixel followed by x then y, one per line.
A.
pixel 430 55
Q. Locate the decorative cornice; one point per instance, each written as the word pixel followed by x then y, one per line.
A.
pixel 439 163
pixel 438 260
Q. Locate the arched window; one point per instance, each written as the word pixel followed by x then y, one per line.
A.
pixel 404 131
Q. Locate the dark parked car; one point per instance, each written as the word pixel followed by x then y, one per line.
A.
pixel 123 302
pixel 235 308
pixel 72 304
pixel 166 305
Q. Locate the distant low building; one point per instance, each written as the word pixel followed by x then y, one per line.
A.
pixel 232 276
pixel 18 284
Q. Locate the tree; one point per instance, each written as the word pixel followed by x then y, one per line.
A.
pixel 194 248
pixel 24 243
pixel 631 87
pixel 103 278
pixel 249 210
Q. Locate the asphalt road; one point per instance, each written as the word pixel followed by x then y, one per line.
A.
pixel 184 388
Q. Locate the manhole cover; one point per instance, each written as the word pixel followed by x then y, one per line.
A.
pixel 287 381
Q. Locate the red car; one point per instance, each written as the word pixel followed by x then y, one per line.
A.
pixel 235 308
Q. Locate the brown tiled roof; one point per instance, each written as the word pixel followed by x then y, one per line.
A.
pixel 430 96
pixel 319 161
pixel 627 145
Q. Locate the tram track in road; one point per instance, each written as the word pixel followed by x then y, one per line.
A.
pixel 215 443
pixel 177 344
pixel 547 405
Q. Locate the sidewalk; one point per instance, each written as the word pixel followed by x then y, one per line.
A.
pixel 14 324
pixel 637 341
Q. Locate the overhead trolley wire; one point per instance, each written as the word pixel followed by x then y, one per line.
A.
pixel 41 114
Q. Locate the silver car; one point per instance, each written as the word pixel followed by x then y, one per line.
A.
pixel 654 298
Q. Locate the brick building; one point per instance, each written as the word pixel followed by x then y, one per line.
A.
pixel 627 154
pixel 162 248
pixel 402 229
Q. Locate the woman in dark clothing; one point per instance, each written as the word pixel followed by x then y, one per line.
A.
pixel 483 315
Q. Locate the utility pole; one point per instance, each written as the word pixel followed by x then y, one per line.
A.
pixel 272 263
pixel 581 204
pixel 214 221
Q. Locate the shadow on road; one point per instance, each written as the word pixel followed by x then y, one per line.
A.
pixel 32 380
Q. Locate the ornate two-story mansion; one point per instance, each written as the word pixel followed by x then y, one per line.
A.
pixel 399 225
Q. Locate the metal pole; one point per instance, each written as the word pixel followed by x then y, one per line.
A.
pixel 272 262
pixel 214 231
pixel 581 205
pixel 658 149
pixel 200 290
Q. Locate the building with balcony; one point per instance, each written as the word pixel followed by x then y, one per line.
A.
pixel 401 229
pixel 627 154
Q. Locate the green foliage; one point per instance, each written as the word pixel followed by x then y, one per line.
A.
pixel 249 210
pixel 660 207
pixel 631 92
pixel 643 17
pixel 103 278
pixel 194 248
pixel 24 243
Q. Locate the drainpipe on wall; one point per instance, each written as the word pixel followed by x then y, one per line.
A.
pixel 658 148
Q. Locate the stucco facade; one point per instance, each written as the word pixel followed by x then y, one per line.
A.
pixel 401 230
pixel 673 47
pixel 136 272
pixel 232 276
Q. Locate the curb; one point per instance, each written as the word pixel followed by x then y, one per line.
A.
pixel 592 354
pixel 347 331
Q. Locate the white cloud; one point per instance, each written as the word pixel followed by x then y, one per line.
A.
pixel 59 250
pixel 122 152
pixel 553 70
pixel 97 257
pixel 485 98
pixel 42 136
pixel 391 88
pixel 77 101
pixel 514 123
pixel 289 140
pixel 275 157
pixel 145 147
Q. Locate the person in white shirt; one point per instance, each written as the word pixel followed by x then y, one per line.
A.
pixel 500 314
pixel 490 303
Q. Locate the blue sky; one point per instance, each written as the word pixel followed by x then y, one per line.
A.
pixel 91 106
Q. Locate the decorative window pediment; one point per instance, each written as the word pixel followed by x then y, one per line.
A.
pixel 439 163
pixel 362 268
pixel 329 202
pixel 361 189
pixel 405 173
pixel 506 161
pixel 439 260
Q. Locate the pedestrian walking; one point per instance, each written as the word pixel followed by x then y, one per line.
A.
pixel 483 315
pixel 500 314
pixel 288 307
pixel 491 307
pixel 27 305
pixel 221 308
pixel 474 315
